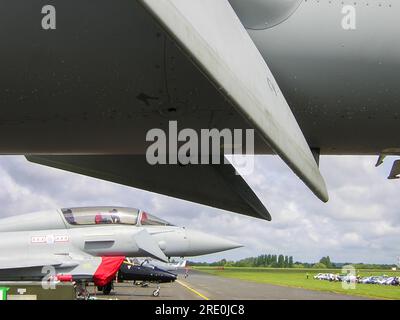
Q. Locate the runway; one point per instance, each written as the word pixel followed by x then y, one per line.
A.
pixel 203 286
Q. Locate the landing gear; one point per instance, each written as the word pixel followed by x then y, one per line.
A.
pixel 107 288
pixel 143 284
pixel 81 292
pixel 156 292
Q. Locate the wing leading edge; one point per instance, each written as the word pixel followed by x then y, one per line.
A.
pixel 210 32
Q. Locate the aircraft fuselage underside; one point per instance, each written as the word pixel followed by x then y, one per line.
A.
pixel 109 73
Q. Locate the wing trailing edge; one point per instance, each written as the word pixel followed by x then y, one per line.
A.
pixel 213 185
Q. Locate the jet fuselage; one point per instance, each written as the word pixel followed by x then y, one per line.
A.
pixel 108 73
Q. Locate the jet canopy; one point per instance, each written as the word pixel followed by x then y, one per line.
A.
pixel 111 215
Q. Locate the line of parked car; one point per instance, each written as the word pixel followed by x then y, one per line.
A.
pixel 382 280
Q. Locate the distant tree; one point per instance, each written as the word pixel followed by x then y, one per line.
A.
pixel 219 263
pixel 281 261
pixel 326 261
pixel 319 265
pixel 270 260
pixel 265 258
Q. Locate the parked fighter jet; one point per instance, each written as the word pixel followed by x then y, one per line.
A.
pixel 85 82
pixel 149 262
pixel 90 244
pixel 144 274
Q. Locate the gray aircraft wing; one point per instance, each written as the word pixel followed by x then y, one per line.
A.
pixel 212 185
pixel 10 263
pixel 17 260
pixel 213 37
pixel 210 32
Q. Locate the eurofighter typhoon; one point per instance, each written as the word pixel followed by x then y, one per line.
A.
pixel 90 244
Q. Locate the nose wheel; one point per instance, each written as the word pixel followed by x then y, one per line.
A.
pixel 81 292
pixel 156 292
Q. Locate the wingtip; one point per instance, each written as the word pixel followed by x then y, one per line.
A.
pixel 316 183
pixel 323 194
pixel 265 215
pixel 262 212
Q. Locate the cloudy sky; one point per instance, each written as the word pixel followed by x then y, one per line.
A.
pixel 361 222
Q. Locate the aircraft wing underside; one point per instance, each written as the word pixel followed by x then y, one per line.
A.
pixel 212 36
pixel 55 260
pixel 210 32
pixel 212 185
pixel 7 263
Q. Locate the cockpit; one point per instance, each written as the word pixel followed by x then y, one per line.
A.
pixel 147 219
pixel 111 215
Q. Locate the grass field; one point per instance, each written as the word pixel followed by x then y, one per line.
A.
pixel 298 278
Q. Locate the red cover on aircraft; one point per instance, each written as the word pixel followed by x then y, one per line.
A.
pixel 65 278
pixel 107 269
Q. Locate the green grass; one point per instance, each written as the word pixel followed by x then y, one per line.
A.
pixel 298 278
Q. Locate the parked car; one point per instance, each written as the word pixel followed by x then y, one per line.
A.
pixel 348 278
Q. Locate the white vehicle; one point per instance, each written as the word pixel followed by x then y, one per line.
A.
pixel 350 278
pixel 322 276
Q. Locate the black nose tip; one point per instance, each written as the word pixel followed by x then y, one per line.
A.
pixel 173 278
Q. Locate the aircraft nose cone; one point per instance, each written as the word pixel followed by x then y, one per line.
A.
pixel 201 243
pixel 166 276
pixel 172 277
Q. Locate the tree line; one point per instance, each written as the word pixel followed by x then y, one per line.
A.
pixel 284 261
pixel 264 260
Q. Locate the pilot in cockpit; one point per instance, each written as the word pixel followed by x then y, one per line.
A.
pixel 111 218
